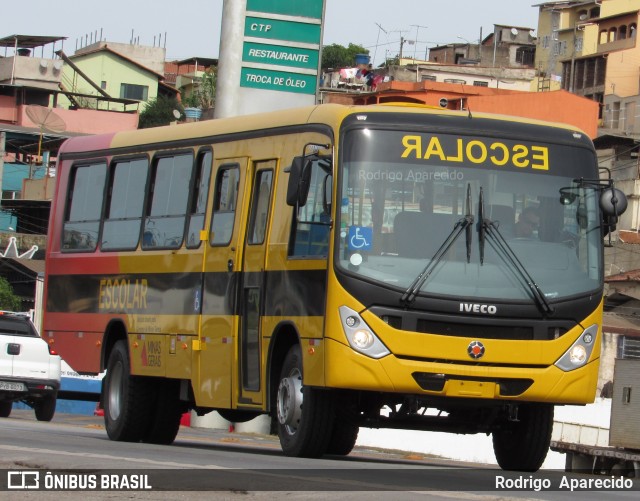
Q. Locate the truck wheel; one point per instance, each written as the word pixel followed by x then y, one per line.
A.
pixel 165 422
pixel 304 430
pixel 45 408
pixel 5 408
pixel 126 399
pixel 523 445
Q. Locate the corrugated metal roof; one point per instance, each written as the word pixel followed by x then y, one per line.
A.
pixel 28 41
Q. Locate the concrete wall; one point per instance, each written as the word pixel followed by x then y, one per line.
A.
pixel 8 109
pixel 32 71
pixel 505 78
pixel 149 57
pixel 607 359
pixel 558 106
pixel 613 7
pixel 24 242
pixel 622 72
pixel 87 121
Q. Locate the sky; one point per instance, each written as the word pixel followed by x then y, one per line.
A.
pixel 188 28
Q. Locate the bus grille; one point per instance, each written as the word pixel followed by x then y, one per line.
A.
pixel 509 387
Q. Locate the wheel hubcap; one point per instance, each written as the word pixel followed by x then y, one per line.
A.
pixel 115 391
pixel 289 404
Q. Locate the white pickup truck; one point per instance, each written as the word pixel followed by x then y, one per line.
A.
pixel 29 368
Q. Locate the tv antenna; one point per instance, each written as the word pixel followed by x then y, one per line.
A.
pixel 415 47
pixel 380 28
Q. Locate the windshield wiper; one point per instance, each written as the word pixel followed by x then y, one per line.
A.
pixel 464 223
pixel 481 221
pixel 510 257
pixel 468 229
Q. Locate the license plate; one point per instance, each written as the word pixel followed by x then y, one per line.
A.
pixel 8 386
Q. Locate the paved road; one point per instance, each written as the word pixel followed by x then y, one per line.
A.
pixel 235 466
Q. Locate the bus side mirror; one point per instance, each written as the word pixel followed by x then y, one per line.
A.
pixel 299 181
pixel 613 203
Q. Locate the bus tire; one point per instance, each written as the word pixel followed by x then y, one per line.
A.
pixel 45 408
pixel 304 430
pixel 165 422
pixel 343 438
pixel 523 445
pixel 5 408
pixel 345 428
pixel 126 399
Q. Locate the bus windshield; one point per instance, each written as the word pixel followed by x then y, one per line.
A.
pixel 511 205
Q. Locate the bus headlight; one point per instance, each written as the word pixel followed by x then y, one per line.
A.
pixel 360 337
pixel 580 351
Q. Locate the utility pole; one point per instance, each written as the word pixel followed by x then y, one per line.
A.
pixel 402 41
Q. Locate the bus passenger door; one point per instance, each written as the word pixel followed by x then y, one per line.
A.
pixel 251 383
pixel 221 266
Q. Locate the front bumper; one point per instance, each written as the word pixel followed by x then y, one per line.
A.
pixel 393 374
pixel 34 388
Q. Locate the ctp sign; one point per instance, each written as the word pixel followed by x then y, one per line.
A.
pixel 278 52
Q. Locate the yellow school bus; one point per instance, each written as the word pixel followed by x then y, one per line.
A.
pixel 335 267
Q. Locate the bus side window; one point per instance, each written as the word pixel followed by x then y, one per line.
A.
pixel 224 204
pixel 164 226
pixel 199 200
pixel 310 229
pixel 121 230
pixel 84 207
pixel 260 210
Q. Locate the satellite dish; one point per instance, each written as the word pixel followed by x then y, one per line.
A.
pixel 46 120
pixel 532 33
pixel 177 114
pixel 514 31
pixel 583 16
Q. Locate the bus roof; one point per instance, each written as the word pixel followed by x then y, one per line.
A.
pixel 329 114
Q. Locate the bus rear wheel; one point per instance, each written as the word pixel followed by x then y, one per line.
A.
pixel 126 399
pixel 522 444
pixel 165 422
pixel 304 430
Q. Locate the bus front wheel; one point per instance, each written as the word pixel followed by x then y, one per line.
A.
pixel 126 399
pixel 522 444
pixel 304 430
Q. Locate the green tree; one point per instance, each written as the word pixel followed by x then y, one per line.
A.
pixel 8 300
pixel 338 56
pixel 159 112
pixel 204 92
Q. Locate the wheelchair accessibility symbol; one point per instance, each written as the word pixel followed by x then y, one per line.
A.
pixel 360 238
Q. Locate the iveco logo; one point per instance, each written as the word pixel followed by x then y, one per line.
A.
pixel 475 349
pixel 486 309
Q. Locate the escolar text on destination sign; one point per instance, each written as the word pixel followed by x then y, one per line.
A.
pixel 476 151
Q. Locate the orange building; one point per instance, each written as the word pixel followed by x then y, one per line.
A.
pixel 556 106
